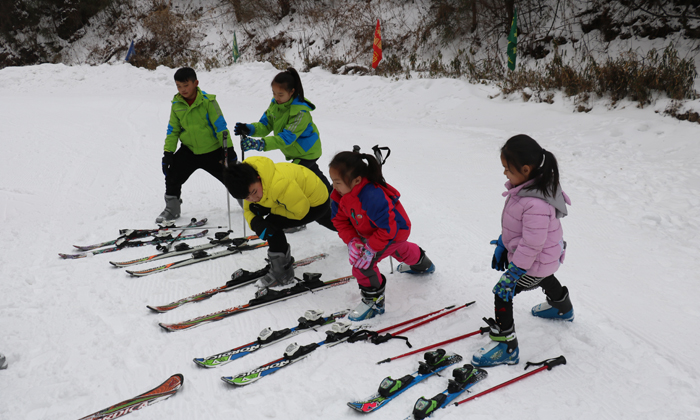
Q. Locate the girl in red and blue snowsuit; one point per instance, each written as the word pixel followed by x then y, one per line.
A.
pixel 372 222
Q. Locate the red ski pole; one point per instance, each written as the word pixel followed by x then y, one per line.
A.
pixel 432 346
pixel 422 322
pixel 418 318
pixel 547 364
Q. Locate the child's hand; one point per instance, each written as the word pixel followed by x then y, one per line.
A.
pixel 248 143
pixel 355 249
pixel 241 129
pixel 500 255
pixel 365 259
pixel 505 288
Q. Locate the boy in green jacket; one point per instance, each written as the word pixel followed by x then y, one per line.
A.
pixel 197 122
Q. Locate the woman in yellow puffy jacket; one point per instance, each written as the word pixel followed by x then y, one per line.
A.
pixel 278 196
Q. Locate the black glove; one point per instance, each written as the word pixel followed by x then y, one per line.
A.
pixel 168 158
pixel 259 210
pixel 241 129
pixel 262 228
pixel 232 157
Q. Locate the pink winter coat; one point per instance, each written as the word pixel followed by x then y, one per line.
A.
pixel 531 230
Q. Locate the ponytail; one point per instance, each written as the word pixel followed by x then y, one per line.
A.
pixel 290 80
pixel 522 150
pixel 350 165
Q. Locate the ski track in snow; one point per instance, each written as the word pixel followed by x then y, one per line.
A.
pixel 81 159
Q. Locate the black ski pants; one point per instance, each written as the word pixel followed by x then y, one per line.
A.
pixel 313 166
pixel 185 163
pixel 319 214
pixel 504 310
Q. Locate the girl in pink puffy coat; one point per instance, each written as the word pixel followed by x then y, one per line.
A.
pixel 531 246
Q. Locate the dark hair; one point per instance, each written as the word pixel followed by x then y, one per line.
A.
pixel 290 79
pixel 185 74
pixel 238 178
pixel 350 165
pixel 522 150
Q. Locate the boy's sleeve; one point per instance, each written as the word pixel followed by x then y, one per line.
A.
pixel 173 133
pixel 261 128
pixel 217 120
pixel 297 125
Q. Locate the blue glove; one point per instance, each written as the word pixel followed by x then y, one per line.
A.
pixel 500 255
pixel 248 143
pixel 505 288
pixel 242 129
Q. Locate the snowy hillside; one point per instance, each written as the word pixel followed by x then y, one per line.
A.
pixel 81 149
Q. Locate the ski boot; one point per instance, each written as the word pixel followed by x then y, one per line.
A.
pixel 172 209
pixel 423 266
pixel 281 269
pixel 371 305
pixel 502 350
pixel 556 309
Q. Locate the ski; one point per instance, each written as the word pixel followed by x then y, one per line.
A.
pixel 463 378
pixel 239 278
pixel 197 257
pixel 267 337
pixel 130 234
pixel 340 332
pixel 185 248
pixel 435 362
pixel 263 297
pixel 132 244
pixel 162 392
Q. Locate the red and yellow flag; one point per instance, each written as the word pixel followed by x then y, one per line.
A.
pixel 377 47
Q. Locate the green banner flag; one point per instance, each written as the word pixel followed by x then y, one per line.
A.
pixel 513 40
pixel 235 48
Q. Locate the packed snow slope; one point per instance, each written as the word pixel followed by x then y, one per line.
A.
pixel 81 150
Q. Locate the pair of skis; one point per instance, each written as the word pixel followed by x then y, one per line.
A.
pixel 267 337
pixel 463 379
pixel 340 332
pixel 198 256
pixel 435 362
pixel 310 283
pixel 160 236
pixel 239 278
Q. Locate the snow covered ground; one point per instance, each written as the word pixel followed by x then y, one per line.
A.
pixel 81 149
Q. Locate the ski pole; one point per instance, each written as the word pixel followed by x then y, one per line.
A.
pixel 376 338
pixel 481 330
pixel 547 364
pixel 224 136
pixel 418 318
pixel 242 159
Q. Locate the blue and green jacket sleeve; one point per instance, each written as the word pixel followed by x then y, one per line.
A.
pixel 295 134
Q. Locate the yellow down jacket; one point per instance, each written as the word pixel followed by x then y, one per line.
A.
pixel 289 190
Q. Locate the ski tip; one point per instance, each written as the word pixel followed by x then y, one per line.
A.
pixel 155 309
pixel 165 327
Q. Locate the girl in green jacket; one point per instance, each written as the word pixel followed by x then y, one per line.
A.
pixel 289 117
